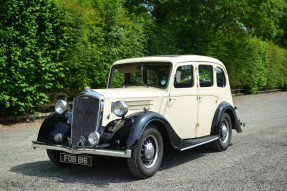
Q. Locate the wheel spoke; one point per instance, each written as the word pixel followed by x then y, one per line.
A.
pixel 149 151
pixel 224 131
pixel 147 156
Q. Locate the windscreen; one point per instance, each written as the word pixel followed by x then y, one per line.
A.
pixel 155 74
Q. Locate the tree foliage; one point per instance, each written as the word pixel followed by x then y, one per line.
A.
pixel 102 31
pixel 31 46
pixel 64 45
pixel 254 64
pixel 240 33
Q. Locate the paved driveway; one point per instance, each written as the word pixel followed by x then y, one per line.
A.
pixel 257 159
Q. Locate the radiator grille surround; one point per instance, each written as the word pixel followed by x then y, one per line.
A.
pixel 87 117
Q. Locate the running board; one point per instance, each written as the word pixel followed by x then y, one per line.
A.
pixel 191 143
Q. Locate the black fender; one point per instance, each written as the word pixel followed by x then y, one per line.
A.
pixel 53 124
pixel 228 108
pixel 127 132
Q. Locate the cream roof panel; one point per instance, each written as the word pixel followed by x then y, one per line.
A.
pixel 172 58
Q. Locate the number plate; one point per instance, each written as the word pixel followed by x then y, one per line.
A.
pixel 76 159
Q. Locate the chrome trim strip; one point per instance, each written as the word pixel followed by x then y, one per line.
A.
pixel 199 144
pixel 94 94
pixel 114 153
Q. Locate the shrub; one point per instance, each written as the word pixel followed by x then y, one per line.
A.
pixel 31 45
pixel 102 32
pixel 254 64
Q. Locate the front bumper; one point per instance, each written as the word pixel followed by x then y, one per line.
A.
pixel 106 152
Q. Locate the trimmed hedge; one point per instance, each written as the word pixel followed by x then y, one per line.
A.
pixel 102 32
pixel 32 42
pixel 48 46
pixel 254 64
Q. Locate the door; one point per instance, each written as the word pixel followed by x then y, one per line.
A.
pixel 181 109
pixel 207 99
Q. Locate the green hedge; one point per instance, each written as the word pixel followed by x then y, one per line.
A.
pixel 51 45
pixel 102 32
pixel 48 46
pixel 254 64
pixel 32 42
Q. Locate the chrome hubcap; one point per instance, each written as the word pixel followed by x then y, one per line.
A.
pixel 149 151
pixel 224 131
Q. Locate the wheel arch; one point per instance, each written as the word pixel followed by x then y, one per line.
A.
pixel 232 117
pixel 159 125
pixel 143 120
pixel 225 107
pixel 53 124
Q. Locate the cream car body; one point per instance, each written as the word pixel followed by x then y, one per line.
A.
pixel 148 102
pixel 137 98
pixel 176 104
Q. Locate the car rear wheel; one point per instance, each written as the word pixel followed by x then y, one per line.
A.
pixel 54 157
pixel 224 131
pixel 147 156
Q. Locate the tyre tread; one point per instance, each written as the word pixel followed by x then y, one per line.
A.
pixel 132 162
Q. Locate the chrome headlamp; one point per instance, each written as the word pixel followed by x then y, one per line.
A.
pixel 61 106
pixel 120 108
pixel 94 138
pixel 58 138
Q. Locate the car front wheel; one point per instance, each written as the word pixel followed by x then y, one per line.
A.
pixel 147 156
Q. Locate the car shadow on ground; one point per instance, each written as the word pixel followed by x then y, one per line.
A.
pixel 173 158
pixel 105 170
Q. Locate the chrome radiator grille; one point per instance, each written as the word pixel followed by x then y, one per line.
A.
pixel 85 119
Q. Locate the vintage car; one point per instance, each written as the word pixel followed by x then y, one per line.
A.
pixel 149 103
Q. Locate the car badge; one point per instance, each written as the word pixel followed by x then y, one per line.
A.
pixel 85 99
pixel 81 142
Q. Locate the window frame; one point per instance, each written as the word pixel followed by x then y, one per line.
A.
pixel 200 83
pixel 192 82
pixel 224 77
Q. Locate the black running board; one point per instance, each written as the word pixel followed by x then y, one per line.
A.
pixel 191 143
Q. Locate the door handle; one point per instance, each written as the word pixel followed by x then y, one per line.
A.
pixel 171 101
pixel 200 98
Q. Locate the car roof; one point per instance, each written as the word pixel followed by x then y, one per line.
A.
pixel 170 58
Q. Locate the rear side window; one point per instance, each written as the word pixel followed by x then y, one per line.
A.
pixel 205 75
pixel 184 77
pixel 220 77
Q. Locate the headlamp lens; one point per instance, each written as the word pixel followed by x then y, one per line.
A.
pixel 120 108
pixel 61 106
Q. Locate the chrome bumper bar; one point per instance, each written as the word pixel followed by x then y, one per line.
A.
pixel 106 152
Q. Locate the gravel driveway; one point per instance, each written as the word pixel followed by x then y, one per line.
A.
pixel 257 159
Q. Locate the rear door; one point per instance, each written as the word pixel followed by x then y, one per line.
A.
pixel 207 98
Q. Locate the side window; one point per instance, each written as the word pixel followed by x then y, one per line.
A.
pixel 205 75
pixel 220 77
pixel 184 77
